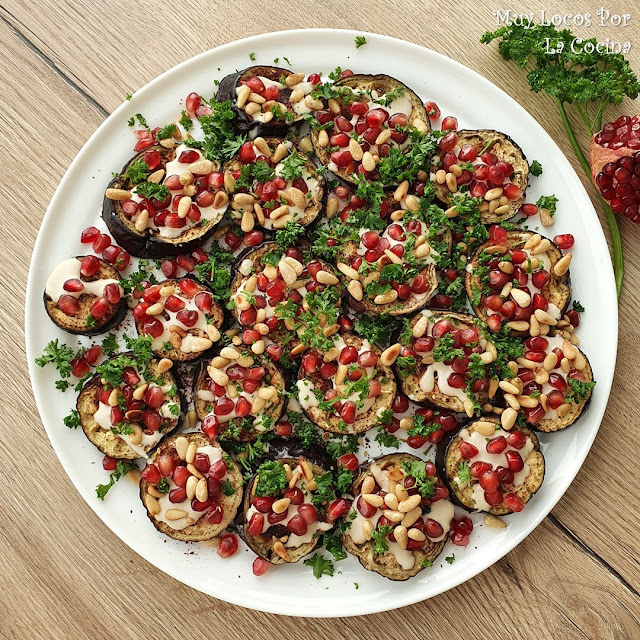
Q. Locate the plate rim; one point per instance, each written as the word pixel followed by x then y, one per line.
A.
pixel 374 605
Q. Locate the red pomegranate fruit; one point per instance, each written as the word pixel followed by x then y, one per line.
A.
pixel 615 165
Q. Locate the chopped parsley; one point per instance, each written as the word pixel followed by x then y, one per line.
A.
pixel 292 166
pixel 137 171
pixel 288 236
pixel 325 491
pixel 252 57
pixel 333 545
pixel 379 537
pixel 424 484
pixel 72 420
pixel 577 306
pixel 163 486
pixel 535 168
pixel 451 559
pixel 386 439
pixel 61 355
pixel 548 202
pixel 152 190
pixel 579 390
pixel 360 41
pixel 123 467
pixel 463 473
pixel 337 446
pixel 185 121
pixel 272 479
pixel 321 566
pixel 110 344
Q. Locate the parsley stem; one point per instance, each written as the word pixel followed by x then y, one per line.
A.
pixel 616 238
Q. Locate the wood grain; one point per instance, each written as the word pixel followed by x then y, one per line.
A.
pixel 65 67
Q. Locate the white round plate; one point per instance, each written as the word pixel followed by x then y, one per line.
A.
pixel 477 104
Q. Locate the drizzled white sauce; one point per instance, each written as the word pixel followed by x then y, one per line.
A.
pixel 69 270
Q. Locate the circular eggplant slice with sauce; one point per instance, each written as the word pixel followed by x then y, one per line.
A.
pixel 128 420
pixel 541 271
pixel 191 488
pixel 182 193
pixel 282 521
pixel 239 393
pixel 83 295
pixel 362 100
pixel 500 175
pixel 555 382
pixel 493 470
pixel 346 388
pixel 443 382
pixel 182 318
pixel 274 184
pixel 401 492
pixel 399 272
pixel 267 98
pixel 270 287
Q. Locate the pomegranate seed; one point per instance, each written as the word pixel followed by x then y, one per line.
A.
pixel 89 266
pixel 517 439
pixel 433 111
pixel 448 141
pixel 109 463
pixel 489 481
pixel 79 367
pixel 192 102
pixel 228 546
pixel 151 474
pixel 260 566
pixel 493 498
pixel 349 461
pixel 497 445
pixel 467 450
pixel 565 241
pixel 69 305
pixel 101 243
pixel 449 124
pixel 214 514
pixel 514 502
pixel 514 460
pixel 337 509
pixel 89 235
pixel 99 308
pixel 434 530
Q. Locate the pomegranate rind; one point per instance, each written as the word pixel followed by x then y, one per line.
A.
pixel 329 420
pixel 367 82
pixel 148 244
pixel 410 385
pixel 314 206
pixel 104 439
pixel 77 324
pixel 244 121
pixel 547 425
pixel 506 150
pixel 217 320
pixel 262 544
pixel 282 337
pixel 386 564
pixel 557 291
pixel 274 411
pixel 453 458
pixel 200 530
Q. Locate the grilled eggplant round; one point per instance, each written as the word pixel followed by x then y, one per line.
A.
pixel 352 360
pixel 532 267
pixel 235 398
pixel 438 382
pixel 70 296
pixel 516 473
pixel 131 431
pixel 261 202
pixel 415 544
pixel 505 150
pixel 279 282
pixel 182 317
pixel 274 85
pixel 406 108
pixel 205 510
pixel 264 528
pixel 173 224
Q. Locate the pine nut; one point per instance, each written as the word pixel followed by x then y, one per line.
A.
pixel 191 453
pixel 493 387
pixel 545 318
pixel 348 271
pixel 492 194
pixel 508 418
pixel 175 514
pixel 142 220
pixel 293 79
pixel 545 217
pixel 533 241
pixel 355 150
pixel 503 208
pixel 324 277
pixel 506 290
pixel 323 139
pixel 550 361
pixel 258 405
pixel 534 329
pixel 562 266
pixel 401 191
pixel 118 194
pixel 527 364
pixel 391 500
pixel 313 103
pixel 278 547
pixel 522 298
pixel 484 428
pixel 279 212
pixel 245 361
pixel 243 95
pixel 544 402
pixel 138 394
pixel 368 485
pixel 400 534
pixel 331 354
pixel 422 251
pixel 202 491
pixel 542 377
pixel 563 409
pixel 201 167
pixel 420 327
pixel 287 272
pixel 393 516
pixel 409 503
pixel 220 200
pixel 401 492
pixel 333 204
pixel 367 529
pixel 452 182
pixel 299 199
pixel 518 325
pixel 543 246
pixel 411 517
pixel 386 298
pixel 218 376
pixel 341 374
pixel 456 170
pixel 296 96
pixel 494 522
pixel 512 401
pixel 266 393
pixel 230 353
pixel 183 206
pixel 441 176
pixel 164 365
pixel 373 499
pixel 152 504
pixel 580 362
pixel 390 355
pixel 135 437
pixel 305 145
pixel 506 267
pixel 167 143
pixel 334 106
pixel 392 256
pixel 191 486
pixel 154 492
pixel 262 146
pixel 496 248
pixel 112 401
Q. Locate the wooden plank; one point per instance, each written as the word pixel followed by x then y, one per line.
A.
pixel 575 595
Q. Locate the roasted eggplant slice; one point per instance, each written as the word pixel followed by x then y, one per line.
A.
pixel 540 270
pixel 271 292
pixel 239 393
pixel 489 469
pixel 344 389
pixel 377 108
pixel 182 318
pixel 267 98
pixel 415 511
pixel 499 177
pixel 394 272
pixel 556 380
pixel 274 184
pixel 182 193
pixel 83 295
pixel 186 502
pixel 435 366
pixel 127 420
pixel 283 518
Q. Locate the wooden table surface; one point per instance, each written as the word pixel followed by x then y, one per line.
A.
pixel 65 67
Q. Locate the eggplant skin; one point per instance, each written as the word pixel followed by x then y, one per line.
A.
pixel 506 149
pixel 386 564
pixel 329 420
pixel 411 384
pixel 262 545
pixel 76 324
pixel 110 443
pixel 452 459
pixel 146 245
pixel 274 411
pixel 244 122
pixel 200 530
pixel 557 290
pixel 366 82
